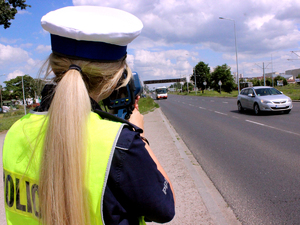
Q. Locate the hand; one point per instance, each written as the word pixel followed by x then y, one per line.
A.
pixel 137 119
pixel 136 103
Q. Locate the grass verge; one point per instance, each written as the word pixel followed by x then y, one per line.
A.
pixel 291 90
pixel 147 105
pixel 7 121
pixel 210 93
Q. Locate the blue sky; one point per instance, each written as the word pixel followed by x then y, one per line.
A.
pixel 177 35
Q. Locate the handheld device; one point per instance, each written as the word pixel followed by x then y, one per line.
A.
pixel 121 101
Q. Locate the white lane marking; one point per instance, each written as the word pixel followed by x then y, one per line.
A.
pixel 275 128
pixel 235 117
pixel 212 100
pixel 201 108
pixel 221 113
pixel 191 105
pixel 225 102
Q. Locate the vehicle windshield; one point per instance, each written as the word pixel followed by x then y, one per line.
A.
pixel 161 91
pixel 267 91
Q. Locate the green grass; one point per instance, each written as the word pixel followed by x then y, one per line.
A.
pixel 8 119
pixel 291 90
pixel 147 105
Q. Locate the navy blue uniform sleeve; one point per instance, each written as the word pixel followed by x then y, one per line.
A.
pixel 136 183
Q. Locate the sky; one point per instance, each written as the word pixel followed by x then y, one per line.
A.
pixel 177 35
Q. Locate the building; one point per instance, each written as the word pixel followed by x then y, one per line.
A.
pixel 295 73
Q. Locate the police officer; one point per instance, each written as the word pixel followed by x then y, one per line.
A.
pixel 64 163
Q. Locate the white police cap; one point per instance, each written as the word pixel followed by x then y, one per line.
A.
pixel 91 32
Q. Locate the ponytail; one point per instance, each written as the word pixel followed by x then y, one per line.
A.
pixel 62 199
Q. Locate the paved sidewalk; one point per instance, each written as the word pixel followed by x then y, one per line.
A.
pixel 197 200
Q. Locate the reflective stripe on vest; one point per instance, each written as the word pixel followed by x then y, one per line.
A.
pixel 21 190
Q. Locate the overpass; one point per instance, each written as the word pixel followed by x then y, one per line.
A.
pixel 165 81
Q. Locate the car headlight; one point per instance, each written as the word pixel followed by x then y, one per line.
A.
pixel 265 101
pixel 289 100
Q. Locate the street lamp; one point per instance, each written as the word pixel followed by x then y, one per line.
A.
pixel 1 106
pixel 24 100
pixel 236 55
pixel 194 73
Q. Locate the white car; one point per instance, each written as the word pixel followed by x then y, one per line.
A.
pixel 262 98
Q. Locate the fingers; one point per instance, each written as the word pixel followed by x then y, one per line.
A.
pixel 136 103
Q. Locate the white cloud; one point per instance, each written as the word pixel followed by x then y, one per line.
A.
pixel 8 40
pixel 10 55
pixel 43 48
pixel 17 60
pixel 258 22
pixel 14 74
pixel 162 64
pixel 32 64
pixel 27 45
pixel 196 22
pixel 22 12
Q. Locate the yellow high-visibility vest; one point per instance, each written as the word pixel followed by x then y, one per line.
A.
pixel 21 178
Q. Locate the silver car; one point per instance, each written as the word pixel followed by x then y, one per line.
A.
pixel 262 98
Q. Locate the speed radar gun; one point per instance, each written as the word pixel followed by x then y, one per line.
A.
pixel 121 101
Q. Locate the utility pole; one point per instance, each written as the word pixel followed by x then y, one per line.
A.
pixel 24 95
pixel 195 85
pixel 272 70
pixel 263 68
pixel 264 74
pixel 1 106
pixel 187 85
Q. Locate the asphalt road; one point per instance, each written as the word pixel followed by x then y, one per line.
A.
pixel 254 161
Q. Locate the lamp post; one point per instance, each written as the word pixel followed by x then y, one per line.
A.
pixel 24 100
pixel 194 73
pixel 236 55
pixel 1 106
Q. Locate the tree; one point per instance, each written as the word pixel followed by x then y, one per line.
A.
pixel 14 90
pixel 202 73
pixel 8 10
pixel 256 82
pixel 184 86
pixel 223 74
pixel 280 78
pixel 176 85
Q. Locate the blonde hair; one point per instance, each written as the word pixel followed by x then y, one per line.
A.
pixel 61 185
